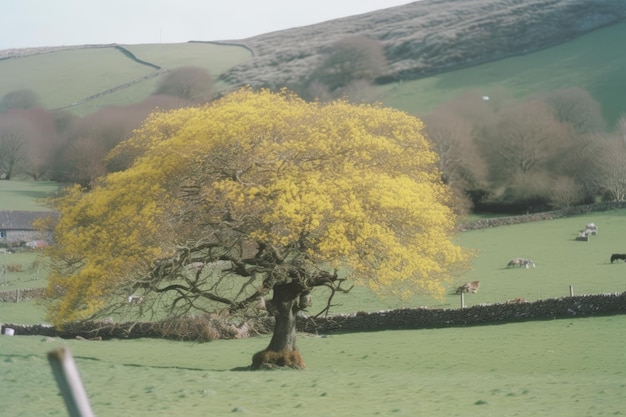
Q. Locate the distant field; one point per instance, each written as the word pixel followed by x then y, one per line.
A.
pixel 561 261
pixel 215 58
pixel 64 77
pixel 72 75
pixel 25 195
pixel 590 62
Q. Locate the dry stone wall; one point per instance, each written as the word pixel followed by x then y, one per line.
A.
pixel 423 318
pixel 420 318
pixel 535 217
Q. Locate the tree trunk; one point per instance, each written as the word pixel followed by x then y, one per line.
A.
pixel 282 350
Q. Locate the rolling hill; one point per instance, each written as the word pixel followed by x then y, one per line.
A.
pixel 435 49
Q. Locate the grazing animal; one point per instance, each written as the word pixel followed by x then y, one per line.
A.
pixel 617 256
pixel 593 229
pixel 515 262
pixel 469 287
pixel 519 300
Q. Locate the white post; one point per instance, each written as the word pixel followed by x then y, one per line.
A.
pixel 571 291
pixel 70 385
pixel 462 300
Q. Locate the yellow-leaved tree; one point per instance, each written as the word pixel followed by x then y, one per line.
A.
pixel 257 195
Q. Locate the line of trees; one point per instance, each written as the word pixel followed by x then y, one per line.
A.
pixel 545 151
pixel 58 145
pixel 497 153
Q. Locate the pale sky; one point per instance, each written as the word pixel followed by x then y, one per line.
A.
pixel 32 23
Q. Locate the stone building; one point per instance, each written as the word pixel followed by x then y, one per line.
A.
pixel 16 227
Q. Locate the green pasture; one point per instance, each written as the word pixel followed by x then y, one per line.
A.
pixel 65 77
pixel 590 62
pixel 568 367
pixel 217 59
pixel 561 263
pixel 554 368
pixel 25 195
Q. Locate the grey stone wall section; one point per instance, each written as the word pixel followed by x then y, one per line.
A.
pixel 420 318
pixel 425 318
pixel 536 217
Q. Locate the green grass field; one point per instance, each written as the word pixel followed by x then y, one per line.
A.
pixel 69 75
pixel 589 62
pixel 25 195
pixel 567 367
pixel 72 75
pixel 556 368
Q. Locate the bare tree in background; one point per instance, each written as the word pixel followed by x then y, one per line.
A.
pixel 12 151
pixel 352 59
pixel 97 133
pixel 461 164
pixel 611 167
pixel 19 100
pixel 579 162
pixel 189 83
pixel 526 138
pixel 565 192
pixel 82 162
pixel 576 107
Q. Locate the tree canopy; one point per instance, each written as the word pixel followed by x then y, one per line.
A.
pixel 254 194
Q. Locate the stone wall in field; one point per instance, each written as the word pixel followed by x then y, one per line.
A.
pixel 421 318
pixel 535 217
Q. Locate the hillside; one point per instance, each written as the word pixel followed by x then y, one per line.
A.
pixel 422 40
pixel 85 78
pixel 429 36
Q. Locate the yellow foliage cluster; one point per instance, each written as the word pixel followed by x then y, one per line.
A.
pixel 354 186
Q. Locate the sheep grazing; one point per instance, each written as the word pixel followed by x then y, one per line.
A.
pixel 469 287
pixel 520 262
pixel 590 230
pixel 514 262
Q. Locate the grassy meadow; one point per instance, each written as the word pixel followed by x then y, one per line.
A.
pixel 25 195
pixel 74 74
pixel 589 62
pixel 569 367
pixel 556 368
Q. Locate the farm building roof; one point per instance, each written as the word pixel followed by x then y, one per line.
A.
pixel 21 220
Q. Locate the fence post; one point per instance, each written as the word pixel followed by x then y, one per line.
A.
pixel 462 299
pixel 571 291
pixel 70 385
